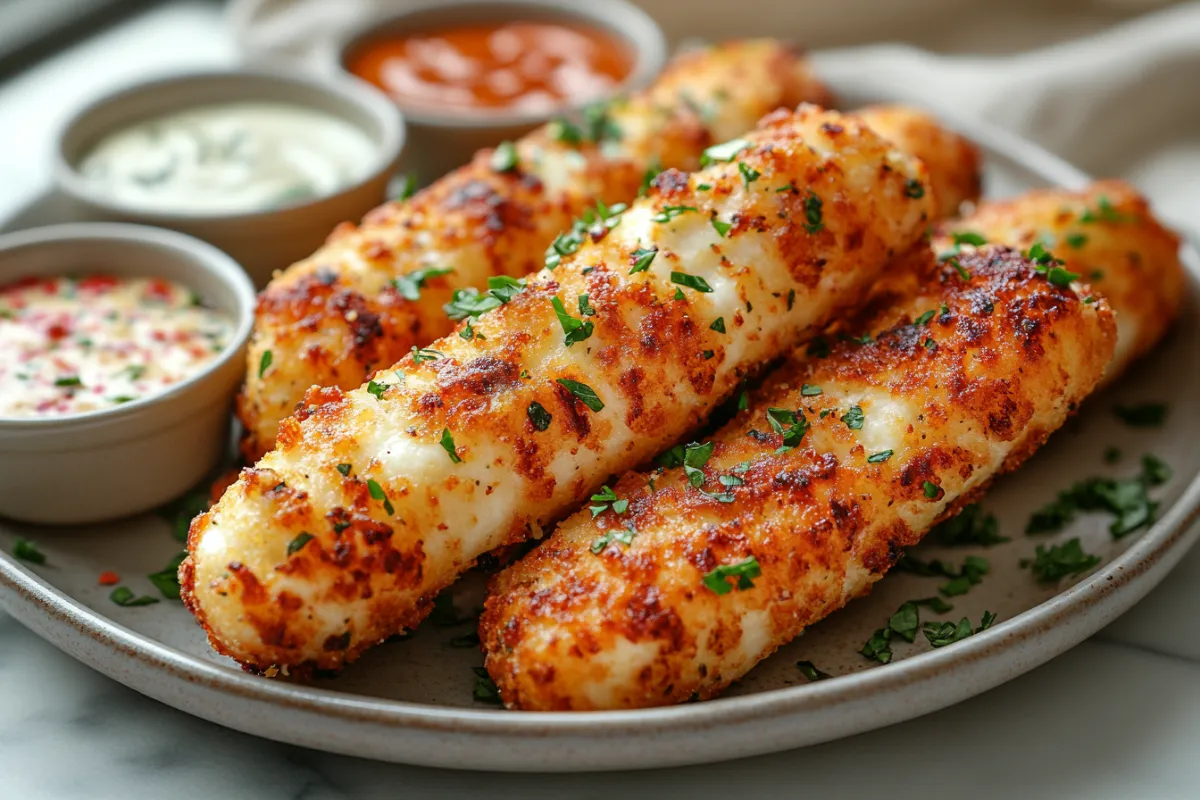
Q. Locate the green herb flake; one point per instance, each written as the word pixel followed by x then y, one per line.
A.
pixel 539 417
pixel 297 544
pixel 584 393
pixel 914 188
pixel 377 389
pixel 423 354
pixel 575 330
pixel 720 227
pixel 880 457
pixel 691 282
pixel 1061 277
pixel 485 689
pixel 718 325
pixel 123 596
pixel 723 152
pixel 810 672
pixel 1104 212
pixel 447 443
pixel 1126 499
pixel 854 418
pixel 504 157
pixel 166 580
pixel 879 647
pixel 1076 240
pixel 932 490
pixel 344 469
pixel 808 390
pixel 403 186
pixel 941 634
pixel 749 174
pixel 643 257
pixel 264 363
pixel 970 527
pixel 26 550
pixel 814 221
pixel 745 571
pixel 409 286
pixel 377 493
pixel 905 622
pixel 936 604
pixel 669 213
pixel 925 318
pixel 1051 564
pixel 1142 415
pixel 75 380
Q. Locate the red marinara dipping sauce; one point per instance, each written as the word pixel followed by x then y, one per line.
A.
pixel 519 66
pixel 70 345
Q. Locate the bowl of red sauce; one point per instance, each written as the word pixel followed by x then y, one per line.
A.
pixel 121 349
pixel 468 74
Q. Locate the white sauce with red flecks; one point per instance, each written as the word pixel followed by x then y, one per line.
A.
pixel 71 345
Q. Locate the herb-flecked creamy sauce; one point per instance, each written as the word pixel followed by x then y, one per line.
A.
pixel 70 345
pixel 230 158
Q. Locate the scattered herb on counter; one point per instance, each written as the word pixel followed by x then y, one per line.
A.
pixel 905 622
pixel 485 689
pixel 941 634
pixel 936 604
pixel 971 574
pixel 123 596
pixel 745 571
pixel 809 671
pixel 584 393
pixel 879 646
pixel 1050 564
pixel 182 511
pixel 970 527
pixel 1142 415
pixel 26 550
pixel 166 580
pixel 1127 499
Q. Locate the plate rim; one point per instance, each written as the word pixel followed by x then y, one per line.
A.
pixel 1093 601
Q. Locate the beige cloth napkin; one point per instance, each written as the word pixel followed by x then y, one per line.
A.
pixel 1112 86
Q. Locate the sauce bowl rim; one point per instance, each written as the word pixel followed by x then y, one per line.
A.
pixel 200 254
pixel 373 102
pixel 625 21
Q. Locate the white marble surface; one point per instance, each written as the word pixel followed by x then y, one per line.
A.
pixel 1119 717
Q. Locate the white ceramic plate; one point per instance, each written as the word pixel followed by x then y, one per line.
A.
pixel 412 701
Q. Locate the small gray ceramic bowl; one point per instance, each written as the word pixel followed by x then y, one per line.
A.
pixel 439 141
pixel 132 457
pixel 261 241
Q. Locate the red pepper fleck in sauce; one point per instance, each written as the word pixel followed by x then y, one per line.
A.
pixel 523 66
pixel 71 345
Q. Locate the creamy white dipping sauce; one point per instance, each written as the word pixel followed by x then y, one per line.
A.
pixel 232 158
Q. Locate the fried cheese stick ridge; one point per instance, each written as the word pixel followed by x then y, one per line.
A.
pixel 805 500
pixel 374 291
pixel 376 499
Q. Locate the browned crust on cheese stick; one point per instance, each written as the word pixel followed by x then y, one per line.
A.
pixel 953 399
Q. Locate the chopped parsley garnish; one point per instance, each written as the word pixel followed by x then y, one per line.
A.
pixel 445 614
pixel 136 371
pixel 166 580
pixel 723 152
pixel 905 622
pixel 854 418
pixel 695 456
pixel 1058 561
pixel 968 237
pixel 538 416
pixel 1076 240
pixel 814 220
pixel 932 490
pixel 808 390
pixel 972 526
pixel 505 288
pixel 470 303
pixel 403 186
pixel 565 131
pixel 941 634
pixel 936 604
pixel 447 443
pixel 297 544
pixel 423 354
pixel 924 318
pixel 409 286
pixel 576 330
pixel 377 389
pixel 720 227
pixel 620 536
pixel 642 258
pixel 1061 277
pixel 811 672
pixel 669 213
pixel 584 393
pixel 866 338
pixel 879 646
pixel 485 688
pixel 914 188
pixel 504 157
pixel 929 344
pixel 123 596
pixel 649 175
pixel 468 332
pixel 973 570
pixel 1104 212
pixel 797 426
pixel 594 222
pixel 585 306
pixel 26 550
pixel 1142 415
pixel 377 493
pixel 691 281
pixel 718 325
pixel 598 124
pixel 749 174
pixel 1126 499
pixel 745 571
pixel 787 187
pixel 344 469
pixel 605 499
pixel 75 380
pixel 880 457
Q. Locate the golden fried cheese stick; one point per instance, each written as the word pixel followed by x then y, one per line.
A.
pixel 376 499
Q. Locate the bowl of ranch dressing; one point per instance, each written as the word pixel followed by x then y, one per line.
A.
pixel 260 164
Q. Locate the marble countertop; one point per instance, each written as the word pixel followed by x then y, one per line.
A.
pixel 1117 717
